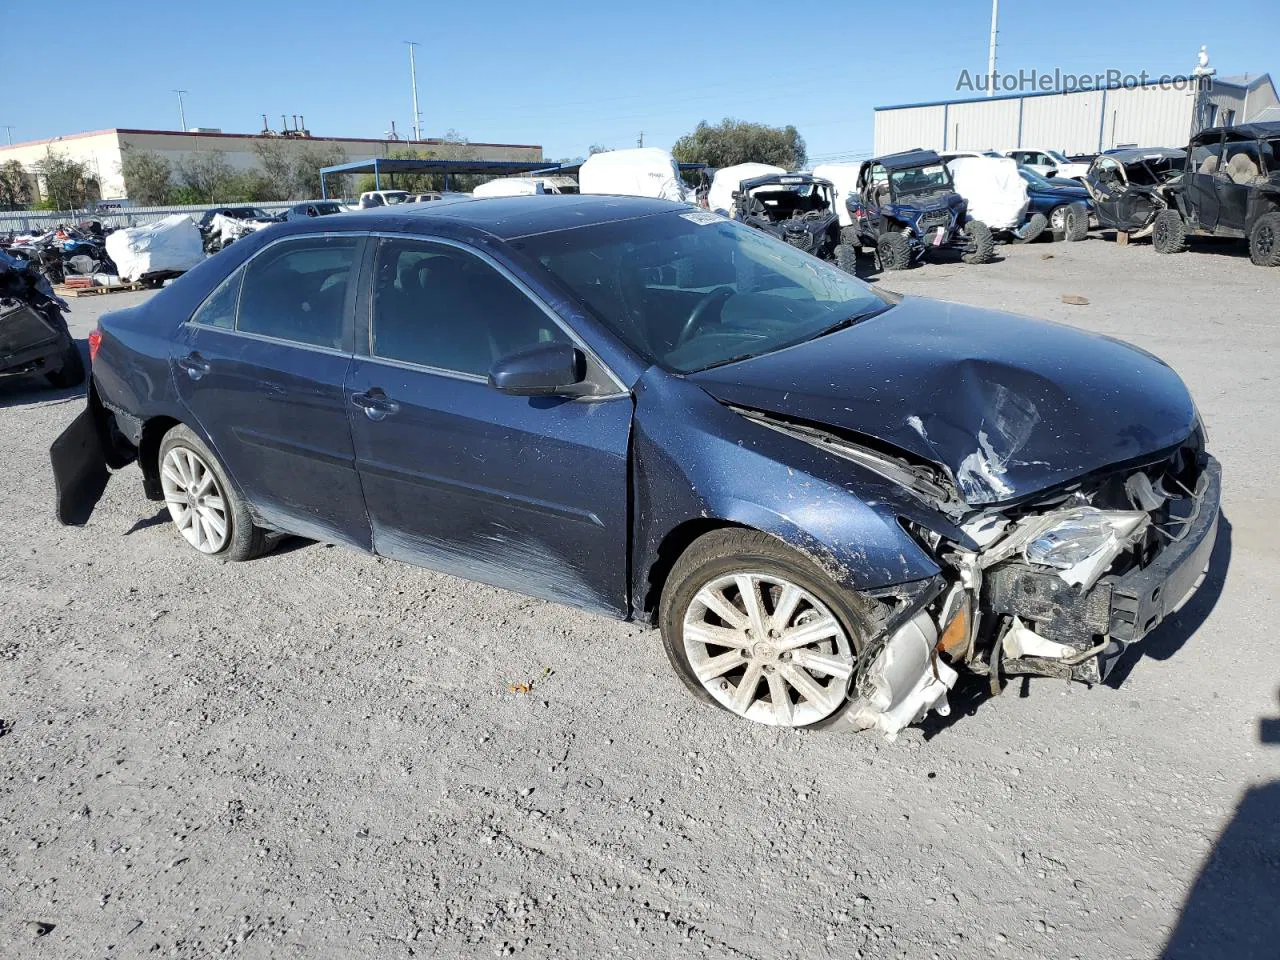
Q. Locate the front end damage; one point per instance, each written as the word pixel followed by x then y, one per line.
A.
pixel 1056 585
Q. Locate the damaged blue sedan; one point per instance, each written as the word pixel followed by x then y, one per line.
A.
pixel 829 498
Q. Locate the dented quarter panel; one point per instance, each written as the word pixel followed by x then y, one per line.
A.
pixel 1008 405
pixel 714 464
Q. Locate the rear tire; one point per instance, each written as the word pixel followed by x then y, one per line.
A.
pixel 850 236
pixel 893 251
pixel 846 259
pixel 183 460
pixel 1264 241
pixel 982 246
pixel 71 373
pixel 1035 226
pixel 1076 223
pixel 718 558
pixel 1169 232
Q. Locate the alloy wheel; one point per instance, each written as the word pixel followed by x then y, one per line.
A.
pixel 1266 241
pixel 195 500
pixel 767 649
pixel 1058 219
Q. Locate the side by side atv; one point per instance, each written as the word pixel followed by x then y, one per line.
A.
pixel 1130 187
pixel 797 208
pixel 1231 188
pixel 34 338
pixel 906 207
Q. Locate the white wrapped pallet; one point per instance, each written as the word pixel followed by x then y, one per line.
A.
pixel 172 245
pixel 642 172
pixel 993 188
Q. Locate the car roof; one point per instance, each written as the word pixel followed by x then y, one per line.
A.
pixel 908 159
pixel 1134 154
pixel 510 217
pixel 1243 131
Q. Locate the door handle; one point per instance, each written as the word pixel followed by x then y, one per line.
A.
pixel 195 365
pixel 375 404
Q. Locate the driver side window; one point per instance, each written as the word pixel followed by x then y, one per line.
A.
pixel 438 306
pixel 297 291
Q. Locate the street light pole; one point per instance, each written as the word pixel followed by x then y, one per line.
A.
pixel 991 53
pixel 182 113
pixel 413 82
pixel 9 130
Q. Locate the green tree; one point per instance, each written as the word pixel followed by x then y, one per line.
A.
pixel 148 176
pixel 739 141
pixel 276 175
pixel 304 172
pixel 15 186
pixel 205 177
pixel 68 185
pixel 452 146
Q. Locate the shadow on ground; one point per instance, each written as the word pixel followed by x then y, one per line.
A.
pixel 1233 910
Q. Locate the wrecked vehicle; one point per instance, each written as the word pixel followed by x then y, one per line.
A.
pixel 830 499
pixel 1231 188
pixel 34 338
pixel 907 207
pixel 1130 187
pixel 798 209
pixel 998 196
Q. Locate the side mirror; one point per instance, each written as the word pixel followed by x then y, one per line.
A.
pixel 545 370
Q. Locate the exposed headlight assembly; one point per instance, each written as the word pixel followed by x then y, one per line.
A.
pixel 1082 542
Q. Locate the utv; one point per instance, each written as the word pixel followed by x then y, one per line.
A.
pixel 1231 188
pixel 798 208
pixel 34 338
pixel 1131 187
pixel 906 206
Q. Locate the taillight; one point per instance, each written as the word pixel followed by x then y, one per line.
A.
pixel 95 341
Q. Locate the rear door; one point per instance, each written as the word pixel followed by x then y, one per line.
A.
pixel 1242 169
pixel 1203 173
pixel 528 493
pixel 261 366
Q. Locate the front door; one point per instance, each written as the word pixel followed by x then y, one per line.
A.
pixel 261 366
pixel 528 493
pixel 1205 169
pixel 1242 172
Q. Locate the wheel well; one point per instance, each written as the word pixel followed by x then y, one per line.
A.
pixel 676 542
pixel 153 432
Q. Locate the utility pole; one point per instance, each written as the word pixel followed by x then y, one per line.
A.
pixel 9 131
pixel 640 140
pixel 991 55
pixel 413 82
pixel 182 113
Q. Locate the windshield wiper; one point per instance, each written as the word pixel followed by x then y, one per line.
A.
pixel 850 320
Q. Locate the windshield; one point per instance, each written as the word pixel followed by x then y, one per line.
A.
pixel 395 196
pixel 1054 154
pixel 692 290
pixel 930 179
pixel 1036 180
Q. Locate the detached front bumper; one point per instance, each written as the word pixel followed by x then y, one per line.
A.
pixel 1117 610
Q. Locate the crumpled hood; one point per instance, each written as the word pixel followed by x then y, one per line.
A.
pixel 1008 405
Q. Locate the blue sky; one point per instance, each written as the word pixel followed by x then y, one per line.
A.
pixel 573 73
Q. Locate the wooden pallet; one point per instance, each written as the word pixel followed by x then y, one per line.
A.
pixel 64 291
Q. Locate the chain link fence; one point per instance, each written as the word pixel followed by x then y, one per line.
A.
pixel 42 221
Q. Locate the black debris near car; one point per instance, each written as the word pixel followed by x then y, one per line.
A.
pixel 799 209
pixel 34 338
pixel 906 208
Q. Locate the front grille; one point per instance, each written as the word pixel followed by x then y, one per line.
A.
pixel 932 219
pixel 800 240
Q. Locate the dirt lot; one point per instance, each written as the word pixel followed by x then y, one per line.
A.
pixel 317 754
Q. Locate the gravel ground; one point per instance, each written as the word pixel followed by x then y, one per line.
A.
pixel 318 754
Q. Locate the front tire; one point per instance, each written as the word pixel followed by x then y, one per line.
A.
pixel 846 259
pixel 1076 223
pixel 758 630
pixel 1035 226
pixel 1169 232
pixel 71 373
pixel 893 251
pixel 981 245
pixel 207 510
pixel 1264 241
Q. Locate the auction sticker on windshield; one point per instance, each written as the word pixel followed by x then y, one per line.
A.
pixel 702 217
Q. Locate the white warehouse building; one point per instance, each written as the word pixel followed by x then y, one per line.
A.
pixel 1086 121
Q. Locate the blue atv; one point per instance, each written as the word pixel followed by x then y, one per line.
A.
pixel 906 208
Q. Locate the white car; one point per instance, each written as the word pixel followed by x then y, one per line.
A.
pixel 1049 163
pixel 525 186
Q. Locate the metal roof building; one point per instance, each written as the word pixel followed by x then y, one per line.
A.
pixel 1085 121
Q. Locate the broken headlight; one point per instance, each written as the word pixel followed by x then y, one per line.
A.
pixel 1082 533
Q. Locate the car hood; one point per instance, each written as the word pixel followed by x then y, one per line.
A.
pixel 1009 406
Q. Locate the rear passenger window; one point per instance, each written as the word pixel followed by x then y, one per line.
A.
pixel 298 291
pixel 219 308
pixel 439 306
